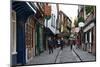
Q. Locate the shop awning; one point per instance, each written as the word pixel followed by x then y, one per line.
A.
pixel 48 32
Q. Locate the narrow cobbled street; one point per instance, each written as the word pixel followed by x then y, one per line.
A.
pixel 50 33
pixel 63 56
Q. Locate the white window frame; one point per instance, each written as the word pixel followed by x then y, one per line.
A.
pixel 13 32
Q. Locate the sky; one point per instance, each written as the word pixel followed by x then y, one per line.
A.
pixel 70 10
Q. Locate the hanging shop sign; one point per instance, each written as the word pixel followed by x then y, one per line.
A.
pixel 47 10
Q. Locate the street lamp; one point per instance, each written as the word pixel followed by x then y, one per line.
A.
pixel 81 25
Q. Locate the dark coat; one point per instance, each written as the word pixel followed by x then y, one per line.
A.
pixel 62 42
pixel 50 43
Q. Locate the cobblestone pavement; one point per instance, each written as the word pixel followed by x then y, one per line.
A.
pixel 45 57
pixel 84 55
pixel 62 56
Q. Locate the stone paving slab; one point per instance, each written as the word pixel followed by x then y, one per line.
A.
pixel 62 56
pixel 45 57
pixel 84 55
pixel 67 56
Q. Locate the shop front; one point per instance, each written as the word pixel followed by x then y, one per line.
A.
pixel 89 36
pixel 30 38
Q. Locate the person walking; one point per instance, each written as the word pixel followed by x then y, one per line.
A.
pixel 58 42
pixel 74 42
pixel 54 43
pixel 50 45
pixel 62 43
pixel 77 43
pixel 71 44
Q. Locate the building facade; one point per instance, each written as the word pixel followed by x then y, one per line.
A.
pixel 87 34
pixel 27 39
pixel 90 32
pixel 65 24
pixel 13 38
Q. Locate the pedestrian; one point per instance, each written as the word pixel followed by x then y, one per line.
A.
pixel 74 42
pixel 77 43
pixel 50 45
pixel 58 42
pixel 71 44
pixel 62 43
pixel 54 42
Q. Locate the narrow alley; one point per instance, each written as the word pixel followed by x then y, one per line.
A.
pixel 63 56
pixel 49 33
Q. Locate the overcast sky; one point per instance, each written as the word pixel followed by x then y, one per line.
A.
pixel 69 10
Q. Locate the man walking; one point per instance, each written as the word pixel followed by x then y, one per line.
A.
pixel 71 44
pixel 50 45
pixel 62 43
pixel 54 42
pixel 58 42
